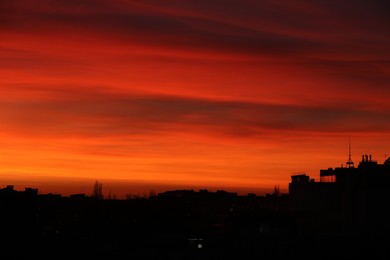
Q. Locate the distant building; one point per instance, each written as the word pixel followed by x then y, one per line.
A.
pixel 78 196
pixel 346 199
pixel 31 191
pixel 202 193
pixel 10 192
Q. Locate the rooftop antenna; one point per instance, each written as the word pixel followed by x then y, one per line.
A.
pixel 350 163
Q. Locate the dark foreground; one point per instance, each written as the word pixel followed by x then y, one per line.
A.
pixel 178 226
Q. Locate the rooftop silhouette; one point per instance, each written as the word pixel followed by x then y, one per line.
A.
pixel 347 206
pixel 346 200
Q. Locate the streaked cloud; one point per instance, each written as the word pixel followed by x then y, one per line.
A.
pixel 87 112
pixel 234 84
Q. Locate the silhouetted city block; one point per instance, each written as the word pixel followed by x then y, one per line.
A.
pixel 344 215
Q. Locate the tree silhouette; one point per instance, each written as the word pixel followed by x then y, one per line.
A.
pixel 276 191
pixel 97 192
pixel 111 196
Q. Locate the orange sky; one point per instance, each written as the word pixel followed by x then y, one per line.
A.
pixel 153 95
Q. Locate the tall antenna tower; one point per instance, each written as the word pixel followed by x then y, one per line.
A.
pixel 350 163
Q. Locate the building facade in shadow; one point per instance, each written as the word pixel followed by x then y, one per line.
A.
pixel 346 200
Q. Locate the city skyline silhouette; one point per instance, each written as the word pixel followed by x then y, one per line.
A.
pixel 188 129
pixel 349 209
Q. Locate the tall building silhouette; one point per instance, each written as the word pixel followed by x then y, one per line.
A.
pixel 347 200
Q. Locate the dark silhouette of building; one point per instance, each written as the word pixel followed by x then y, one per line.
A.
pixel 344 215
pixel 346 200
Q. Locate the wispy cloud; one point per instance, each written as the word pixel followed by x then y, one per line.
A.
pixel 149 79
pixel 86 112
pixel 332 41
pixel 252 28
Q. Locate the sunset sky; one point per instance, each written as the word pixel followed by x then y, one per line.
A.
pixel 222 94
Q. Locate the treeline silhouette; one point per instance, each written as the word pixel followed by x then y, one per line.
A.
pixel 177 224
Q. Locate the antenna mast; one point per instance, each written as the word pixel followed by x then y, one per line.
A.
pixel 350 163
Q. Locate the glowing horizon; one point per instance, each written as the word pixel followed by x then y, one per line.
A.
pixel 223 94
